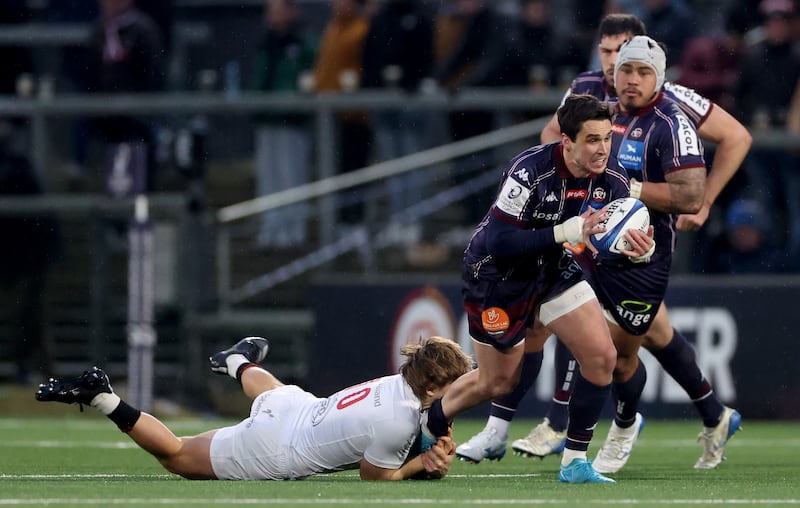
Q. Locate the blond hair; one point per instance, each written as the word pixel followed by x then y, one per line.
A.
pixel 434 361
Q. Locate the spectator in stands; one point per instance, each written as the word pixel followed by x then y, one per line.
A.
pixel 710 63
pixel 671 22
pixel 538 45
pixel 16 76
pixel 479 56
pixel 398 54
pixel 338 69
pixel 769 76
pixel 283 149
pixel 744 245
pixel 33 243
pixel 127 57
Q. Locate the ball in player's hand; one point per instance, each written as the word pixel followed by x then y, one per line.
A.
pixel 622 214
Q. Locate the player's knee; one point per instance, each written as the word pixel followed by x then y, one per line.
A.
pixel 499 384
pixel 625 367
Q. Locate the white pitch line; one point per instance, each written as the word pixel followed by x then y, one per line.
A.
pixel 420 501
pixel 104 476
pixel 123 445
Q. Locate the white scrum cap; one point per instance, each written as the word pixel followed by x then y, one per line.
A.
pixel 643 49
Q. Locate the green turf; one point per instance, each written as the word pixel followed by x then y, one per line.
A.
pixel 82 460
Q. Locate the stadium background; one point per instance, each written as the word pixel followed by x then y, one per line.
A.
pixel 331 322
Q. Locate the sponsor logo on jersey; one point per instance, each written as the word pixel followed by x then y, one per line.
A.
pixel 618 129
pixel 512 198
pixel 546 216
pixel 599 194
pixel 631 155
pixel 688 144
pixel 550 198
pixel 576 194
pixel 495 321
pixel 634 312
pixel 689 98
pixel 522 174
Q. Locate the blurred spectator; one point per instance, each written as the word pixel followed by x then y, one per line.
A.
pixel 748 15
pixel 671 22
pixel 16 76
pixel 768 78
pixel 537 46
pixel 33 244
pixel 481 56
pixel 744 245
pixel 127 57
pixel 338 69
pixel 282 140
pixel 710 63
pixel 398 54
pixel 769 70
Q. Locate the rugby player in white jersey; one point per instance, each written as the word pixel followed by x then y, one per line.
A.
pixel 667 345
pixel 290 433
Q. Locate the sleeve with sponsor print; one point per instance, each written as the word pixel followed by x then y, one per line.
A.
pixel 679 144
pixel 695 106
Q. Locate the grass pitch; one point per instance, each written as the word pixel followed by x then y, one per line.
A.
pixel 79 460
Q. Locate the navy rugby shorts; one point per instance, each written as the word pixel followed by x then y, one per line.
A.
pixel 632 293
pixel 499 310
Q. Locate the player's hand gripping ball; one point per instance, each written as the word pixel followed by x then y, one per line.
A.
pixel 622 214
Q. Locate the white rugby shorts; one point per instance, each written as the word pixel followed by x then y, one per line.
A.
pixel 254 449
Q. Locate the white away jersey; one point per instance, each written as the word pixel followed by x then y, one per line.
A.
pixel 291 434
pixel 377 420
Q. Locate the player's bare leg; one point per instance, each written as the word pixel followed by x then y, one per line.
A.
pixel 584 332
pixel 497 373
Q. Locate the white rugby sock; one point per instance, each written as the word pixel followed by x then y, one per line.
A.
pixel 501 425
pixel 570 455
pixel 106 403
pixel 235 361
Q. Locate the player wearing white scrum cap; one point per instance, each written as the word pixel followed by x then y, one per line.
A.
pixel 644 50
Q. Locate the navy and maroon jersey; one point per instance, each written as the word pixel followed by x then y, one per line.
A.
pixel 651 143
pixel 537 192
pixel 695 106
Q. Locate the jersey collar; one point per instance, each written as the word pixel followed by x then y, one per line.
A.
pixel 647 108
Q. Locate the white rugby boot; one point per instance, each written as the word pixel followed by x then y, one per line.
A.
pixel 715 438
pixel 541 441
pixel 486 444
pixel 617 448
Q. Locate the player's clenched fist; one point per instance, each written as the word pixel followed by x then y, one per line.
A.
pixel 438 458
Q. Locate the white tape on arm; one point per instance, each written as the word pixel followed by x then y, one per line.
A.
pixel 571 230
pixel 636 189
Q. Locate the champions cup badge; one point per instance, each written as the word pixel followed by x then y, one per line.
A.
pixel 495 321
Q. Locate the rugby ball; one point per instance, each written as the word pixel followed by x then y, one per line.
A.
pixel 622 214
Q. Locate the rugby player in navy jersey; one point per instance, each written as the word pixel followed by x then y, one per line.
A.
pixel 667 345
pixel 516 270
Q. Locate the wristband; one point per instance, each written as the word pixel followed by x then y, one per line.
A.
pixel 636 189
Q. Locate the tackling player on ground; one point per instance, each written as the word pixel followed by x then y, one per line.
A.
pixel 292 434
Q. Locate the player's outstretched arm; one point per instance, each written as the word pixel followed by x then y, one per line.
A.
pixel 734 141
pixel 432 464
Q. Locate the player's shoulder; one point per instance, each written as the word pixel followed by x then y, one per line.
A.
pixel 695 105
pixel 532 162
pixel 591 82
